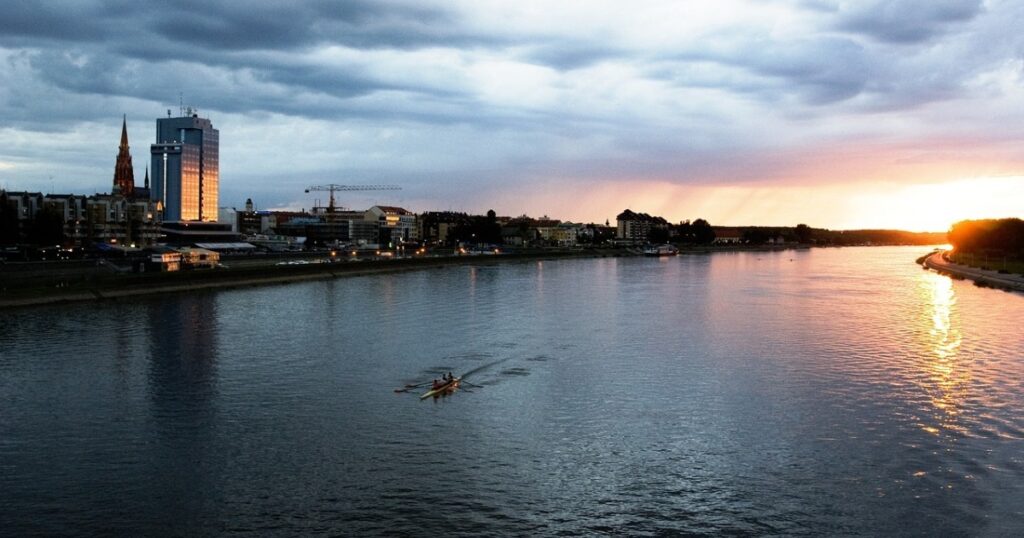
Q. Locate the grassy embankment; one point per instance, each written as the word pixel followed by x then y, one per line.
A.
pixel 991 244
pixel 1002 264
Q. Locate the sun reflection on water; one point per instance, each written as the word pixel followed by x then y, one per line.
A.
pixel 945 377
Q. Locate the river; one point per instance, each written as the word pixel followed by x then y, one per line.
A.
pixel 815 392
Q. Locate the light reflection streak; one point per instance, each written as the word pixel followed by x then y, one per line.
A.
pixel 946 378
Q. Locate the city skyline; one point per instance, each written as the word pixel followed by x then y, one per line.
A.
pixel 896 115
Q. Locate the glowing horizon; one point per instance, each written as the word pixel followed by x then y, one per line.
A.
pixel 915 208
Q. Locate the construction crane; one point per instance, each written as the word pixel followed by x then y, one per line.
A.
pixel 331 187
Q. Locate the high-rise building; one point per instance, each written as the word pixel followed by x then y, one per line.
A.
pixel 124 175
pixel 185 167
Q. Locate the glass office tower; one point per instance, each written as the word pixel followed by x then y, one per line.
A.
pixel 185 168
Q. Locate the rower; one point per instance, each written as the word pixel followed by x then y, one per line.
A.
pixel 436 384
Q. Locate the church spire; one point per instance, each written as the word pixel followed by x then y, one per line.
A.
pixel 147 177
pixel 124 133
pixel 124 175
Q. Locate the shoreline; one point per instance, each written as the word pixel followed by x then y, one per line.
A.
pixel 47 285
pixel 937 262
pixel 115 287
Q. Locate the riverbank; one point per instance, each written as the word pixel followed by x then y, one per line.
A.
pixel 33 288
pixel 939 261
pixel 40 283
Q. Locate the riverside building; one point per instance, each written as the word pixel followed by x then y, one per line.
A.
pixel 635 227
pixel 185 167
pixel 126 217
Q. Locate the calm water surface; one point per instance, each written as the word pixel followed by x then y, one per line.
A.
pixel 821 392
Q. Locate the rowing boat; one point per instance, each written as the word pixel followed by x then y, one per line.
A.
pixel 446 388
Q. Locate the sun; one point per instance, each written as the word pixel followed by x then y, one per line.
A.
pixel 936 206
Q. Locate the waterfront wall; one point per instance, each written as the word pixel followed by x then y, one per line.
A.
pixel 939 263
pixel 28 288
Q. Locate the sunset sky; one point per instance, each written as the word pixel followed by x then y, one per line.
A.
pixel 837 114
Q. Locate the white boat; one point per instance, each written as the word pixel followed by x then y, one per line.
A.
pixel 661 250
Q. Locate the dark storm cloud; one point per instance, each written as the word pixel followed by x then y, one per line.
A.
pixel 213 35
pixel 907 21
pixel 264 28
pixel 819 71
pixel 69 21
pixel 217 52
pixel 95 72
pixel 825 70
pixel 568 55
pixel 240 26
pixel 32 103
pixel 276 85
pixel 230 56
pixel 234 26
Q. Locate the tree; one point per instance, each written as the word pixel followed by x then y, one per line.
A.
pixel 8 222
pixel 703 233
pixel 657 235
pixel 755 236
pixel 47 228
pixel 683 232
pixel 490 229
pixel 1002 236
pixel 803 233
pixel 477 230
pixel 596 234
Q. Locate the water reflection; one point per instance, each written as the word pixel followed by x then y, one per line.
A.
pixel 946 377
pixel 182 391
pixel 183 347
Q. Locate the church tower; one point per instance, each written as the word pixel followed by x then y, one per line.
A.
pixel 124 175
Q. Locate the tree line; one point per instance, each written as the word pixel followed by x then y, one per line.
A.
pixel 875 237
pixel 804 234
pixel 698 232
pixel 989 236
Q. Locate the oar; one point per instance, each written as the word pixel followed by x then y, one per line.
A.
pixel 472 384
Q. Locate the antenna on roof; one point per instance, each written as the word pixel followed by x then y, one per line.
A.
pixel 181 104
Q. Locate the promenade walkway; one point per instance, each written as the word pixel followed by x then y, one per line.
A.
pixel 993 278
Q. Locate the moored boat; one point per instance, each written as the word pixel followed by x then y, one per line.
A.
pixel 445 389
pixel 661 250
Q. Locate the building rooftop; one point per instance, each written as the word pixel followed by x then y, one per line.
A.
pixel 393 210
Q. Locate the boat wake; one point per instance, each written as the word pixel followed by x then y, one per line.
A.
pixel 484 367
